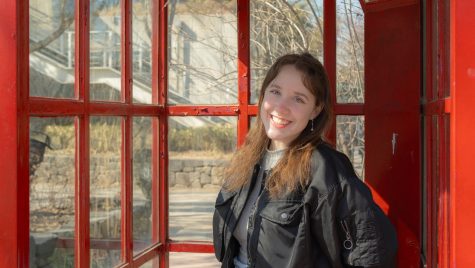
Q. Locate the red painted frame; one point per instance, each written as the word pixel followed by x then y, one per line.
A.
pixel 15 12
pixel 14 241
pixel 437 109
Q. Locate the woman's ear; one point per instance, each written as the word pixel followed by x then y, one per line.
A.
pixel 316 111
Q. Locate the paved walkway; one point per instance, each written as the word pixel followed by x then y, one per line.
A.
pixel 191 216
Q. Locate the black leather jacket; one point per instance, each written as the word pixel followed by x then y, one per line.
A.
pixel 332 223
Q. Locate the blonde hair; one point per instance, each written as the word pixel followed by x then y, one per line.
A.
pixel 293 170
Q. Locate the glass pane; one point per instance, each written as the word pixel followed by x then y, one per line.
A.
pixel 349 51
pixel 142 50
pixel 350 140
pixel 253 121
pixel 199 147
pixel 279 27
pixel 153 263
pixel 105 202
pixel 52 174
pixel 105 63
pixel 193 260
pixel 142 182
pixel 52 48
pixel 202 52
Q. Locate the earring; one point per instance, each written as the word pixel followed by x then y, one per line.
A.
pixel 311 128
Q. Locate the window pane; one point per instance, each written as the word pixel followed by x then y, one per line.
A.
pixel 199 147
pixel 253 121
pixel 153 263
pixel 142 50
pixel 193 260
pixel 51 48
pixel 350 140
pixel 349 51
pixel 52 152
pixel 105 175
pixel 279 27
pixel 105 63
pixel 142 182
pixel 202 52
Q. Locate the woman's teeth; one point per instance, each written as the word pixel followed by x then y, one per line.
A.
pixel 280 121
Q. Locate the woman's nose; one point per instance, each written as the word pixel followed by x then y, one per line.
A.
pixel 282 106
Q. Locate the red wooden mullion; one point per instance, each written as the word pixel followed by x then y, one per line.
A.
pixel 163 132
pixel 156 193
pixel 429 180
pixel 126 50
pixel 244 63
pixel 444 48
pixel 23 134
pixel 430 48
pixel 443 74
pixel 81 234
pixel 14 185
pixel 430 192
pixel 126 190
pixel 155 124
pixel 81 89
pixel 329 52
pixel 203 110
pixel 444 245
pixel 126 157
pixel 441 63
pixel 68 107
pixel 191 247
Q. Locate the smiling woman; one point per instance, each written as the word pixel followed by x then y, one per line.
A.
pixel 286 182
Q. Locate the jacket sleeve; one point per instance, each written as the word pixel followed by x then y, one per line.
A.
pixel 348 225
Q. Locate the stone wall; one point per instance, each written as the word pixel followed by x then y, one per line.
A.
pixel 194 173
pixel 57 169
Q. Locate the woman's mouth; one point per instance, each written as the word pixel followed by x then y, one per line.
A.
pixel 279 122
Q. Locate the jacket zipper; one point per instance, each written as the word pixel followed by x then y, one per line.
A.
pixel 348 243
pixel 251 230
pixel 252 221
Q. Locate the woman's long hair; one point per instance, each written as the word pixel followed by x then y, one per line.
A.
pixel 293 169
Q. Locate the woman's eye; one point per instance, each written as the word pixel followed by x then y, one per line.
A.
pixel 274 91
pixel 300 100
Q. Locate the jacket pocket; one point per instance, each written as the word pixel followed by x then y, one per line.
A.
pixel 220 218
pixel 279 225
pixel 283 212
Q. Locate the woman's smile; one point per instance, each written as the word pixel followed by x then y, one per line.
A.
pixel 279 122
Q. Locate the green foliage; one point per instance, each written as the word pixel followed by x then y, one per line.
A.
pixel 219 138
pixel 106 138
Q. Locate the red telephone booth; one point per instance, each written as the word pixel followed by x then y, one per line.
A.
pixel 126 111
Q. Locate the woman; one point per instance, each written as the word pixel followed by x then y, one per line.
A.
pixel 289 199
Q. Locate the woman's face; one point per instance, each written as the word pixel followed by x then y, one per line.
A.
pixel 287 107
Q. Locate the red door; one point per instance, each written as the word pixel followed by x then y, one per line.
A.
pixel 393 123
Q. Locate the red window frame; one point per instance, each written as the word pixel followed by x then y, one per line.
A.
pixel 437 117
pixel 17 114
